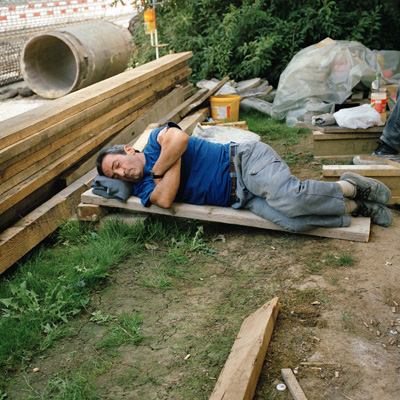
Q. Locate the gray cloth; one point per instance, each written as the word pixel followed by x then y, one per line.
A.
pixel 285 200
pixel 112 188
pixel 323 120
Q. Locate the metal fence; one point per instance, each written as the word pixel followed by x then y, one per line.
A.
pixel 21 19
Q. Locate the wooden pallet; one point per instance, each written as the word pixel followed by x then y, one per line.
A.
pixel 358 231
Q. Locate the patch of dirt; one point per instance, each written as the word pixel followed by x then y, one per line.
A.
pixel 337 324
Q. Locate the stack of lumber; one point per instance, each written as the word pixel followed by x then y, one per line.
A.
pixel 38 146
pixel 47 154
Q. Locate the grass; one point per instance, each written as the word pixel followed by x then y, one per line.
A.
pixel 54 284
pixel 272 130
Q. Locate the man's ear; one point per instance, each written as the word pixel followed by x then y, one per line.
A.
pixel 129 150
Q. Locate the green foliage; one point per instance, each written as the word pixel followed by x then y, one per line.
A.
pixel 125 331
pixel 244 39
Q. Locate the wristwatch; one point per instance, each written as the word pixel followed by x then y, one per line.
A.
pixel 154 176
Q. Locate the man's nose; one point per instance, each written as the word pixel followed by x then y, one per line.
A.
pixel 120 172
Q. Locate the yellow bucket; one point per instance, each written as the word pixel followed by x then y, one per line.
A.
pixel 225 107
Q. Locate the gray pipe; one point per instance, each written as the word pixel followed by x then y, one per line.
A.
pixel 63 60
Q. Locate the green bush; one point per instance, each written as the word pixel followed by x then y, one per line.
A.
pixel 249 38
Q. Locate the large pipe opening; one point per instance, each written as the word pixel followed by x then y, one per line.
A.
pixel 50 64
pixel 61 61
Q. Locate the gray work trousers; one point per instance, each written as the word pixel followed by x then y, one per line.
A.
pixel 268 189
pixel 391 131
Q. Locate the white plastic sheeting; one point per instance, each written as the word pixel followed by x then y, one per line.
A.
pixel 317 78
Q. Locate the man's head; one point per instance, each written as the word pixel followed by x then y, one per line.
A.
pixel 121 162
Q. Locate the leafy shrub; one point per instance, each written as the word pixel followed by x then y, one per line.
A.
pixel 249 38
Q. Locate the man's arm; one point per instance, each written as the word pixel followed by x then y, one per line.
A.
pixel 173 144
pixel 166 188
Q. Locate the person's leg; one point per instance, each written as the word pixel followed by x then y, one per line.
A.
pixel 390 138
pixel 266 175
pixel 260 207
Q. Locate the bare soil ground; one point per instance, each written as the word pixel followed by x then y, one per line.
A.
pixel 341 320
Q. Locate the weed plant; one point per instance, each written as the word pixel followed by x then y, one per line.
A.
pixel 54 283
pixel 270 129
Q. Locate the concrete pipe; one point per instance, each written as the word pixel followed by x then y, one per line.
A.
pixel 63 60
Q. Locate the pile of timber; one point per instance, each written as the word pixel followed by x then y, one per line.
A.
pixel 46 152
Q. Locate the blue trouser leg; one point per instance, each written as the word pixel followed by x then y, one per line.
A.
pixel 391 131
pixel 260 207
pixel 264 173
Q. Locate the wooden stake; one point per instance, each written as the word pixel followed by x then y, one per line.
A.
pixel 292 384
pixel 239 376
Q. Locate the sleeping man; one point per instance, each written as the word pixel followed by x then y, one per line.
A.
pixel 174 167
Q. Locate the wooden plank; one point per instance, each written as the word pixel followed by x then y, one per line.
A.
pixel 189 123
pixel 344 145
pixel 175 114
pixel 41 144
pixel 135 128
pixel 292 384
pixel 14 130
pixel 380 160
pixel 338 129
pixel 21 208
pixel 358 231
pixel 205 97
pixel 237 124
pixel 22 237
pixel 90 212
pixel 240 374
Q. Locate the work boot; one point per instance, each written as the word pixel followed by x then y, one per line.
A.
pixel 368 188
pixel 384 149
pixel 380 214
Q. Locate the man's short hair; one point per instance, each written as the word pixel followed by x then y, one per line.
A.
pixel 114 149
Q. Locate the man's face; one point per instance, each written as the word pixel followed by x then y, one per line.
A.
pixel 127 167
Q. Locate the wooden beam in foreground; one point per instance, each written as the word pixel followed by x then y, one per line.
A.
pixel 239 376
pixel 358 231
pixel 291 382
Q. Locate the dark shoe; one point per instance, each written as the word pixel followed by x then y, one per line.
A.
pixel 384 149
pixel 380 214
pixel 368 188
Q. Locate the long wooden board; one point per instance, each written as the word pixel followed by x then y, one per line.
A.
pixel 338 129
pixel 37 119
pixel 241 371
pixel 22 237
pixel 358 231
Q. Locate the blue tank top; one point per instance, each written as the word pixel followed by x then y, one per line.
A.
pixel 204 173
